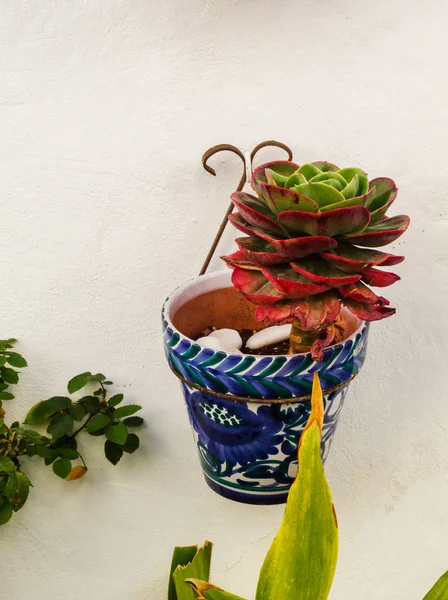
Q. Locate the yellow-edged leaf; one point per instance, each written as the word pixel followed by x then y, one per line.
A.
pixel 301 562
pixel 198 568
pixel 440 590
pixel 207 591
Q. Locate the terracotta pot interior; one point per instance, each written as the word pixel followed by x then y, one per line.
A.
pixel 226 307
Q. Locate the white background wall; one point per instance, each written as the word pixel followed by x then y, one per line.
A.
pixel 105 109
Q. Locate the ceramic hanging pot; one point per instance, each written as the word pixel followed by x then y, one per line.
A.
pixel 248 412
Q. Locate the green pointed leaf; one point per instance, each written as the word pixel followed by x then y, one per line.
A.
pixel 182 555
pixel 59 402
pixel 5 510
pixel 114 400
pixel 11 485
pixel 6 464
pixel 39 413
pixel 97 422
pixel 302 559
pixel 198 568
pixel 132 443
pixel 16 360
pixel 9 375
pixel 21 495
pixel 98 377
pixel 62 467
pixel 6 396
pixel 60 425
pixel 113 452
pixel 117 433
pixel 126 411
pixel 78 412
pixel 78 382
pixel 440 590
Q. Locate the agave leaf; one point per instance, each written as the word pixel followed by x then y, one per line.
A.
pixel 330 178
pixel 351 259
pixel 295 179
pixel 325 166
pixel 240 223
pixel 198 568
pixel 284 168
pixel 207 591
pixel 361 293
pixel 385 193
pixel 315 312
pixel 321 193
pixel 300 246
pixel 334 222
pixel 351 189
pixel 301 562
pixel 279 199
pixel 279 313
pixel 255 287
pixel 309 171
pixel 369 312
pixel 379 278
pixel 182 555
pixel 259 251
pixel 382 233
pixel 255 212
pixel 363 200
pixel 240 259
pixel 291 283
pixel 440 590
pixel 320 271
pixel 349 172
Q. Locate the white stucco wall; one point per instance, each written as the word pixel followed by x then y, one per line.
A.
pixel 105 110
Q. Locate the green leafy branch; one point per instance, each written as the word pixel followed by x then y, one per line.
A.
pixel 98 414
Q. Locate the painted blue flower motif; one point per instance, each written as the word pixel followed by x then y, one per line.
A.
pixel 231 431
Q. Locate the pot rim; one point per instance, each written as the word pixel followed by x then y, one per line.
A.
pixel 209 279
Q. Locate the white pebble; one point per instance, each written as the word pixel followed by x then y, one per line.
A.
pixel 212 343
pixel 268 336
pixel 229 337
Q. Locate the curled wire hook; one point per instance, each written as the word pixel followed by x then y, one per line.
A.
pixel 228 147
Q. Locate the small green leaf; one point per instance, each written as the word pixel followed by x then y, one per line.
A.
pixel 6 396
pixel 3 386
pixel 5 511
pixel 98 377
pixel 113 452
pixel 59 402
pixel 132 443
pixel 78 382
pixel 60 425
pixel 39 413
pixel 97 422
pixel 78 412
pixel 6 464
pixel 11 486
pixel 9 375
pixel 2 361
pixel 91 403
pixel 117 433
pixel 23 488
pixel 133 422
pixel 16 360
pixel 31 434
pixel 114 400
pixel 108 382
pixel 46 452
pixel 50 459
pixel 62 467
pixel 126 411
pixel 68 453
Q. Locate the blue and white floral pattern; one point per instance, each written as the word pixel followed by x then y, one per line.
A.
pixel 248 412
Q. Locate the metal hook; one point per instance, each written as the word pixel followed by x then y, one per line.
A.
pixel 247 171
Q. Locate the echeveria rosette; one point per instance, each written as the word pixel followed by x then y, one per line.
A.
pixel 310 247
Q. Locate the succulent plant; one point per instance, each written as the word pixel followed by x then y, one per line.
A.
pixel 312 233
